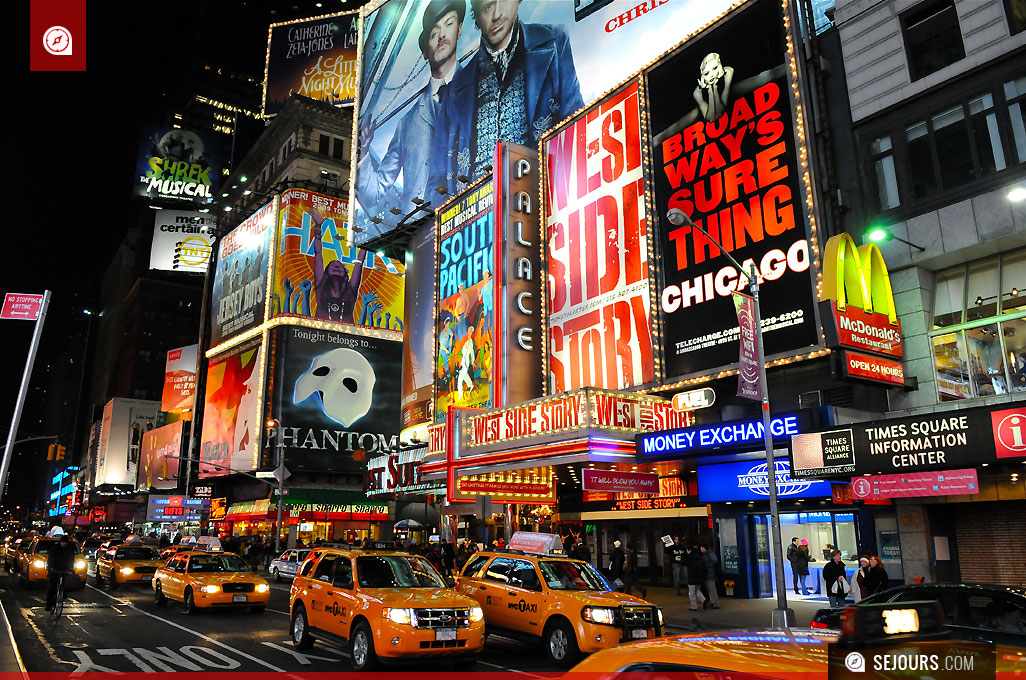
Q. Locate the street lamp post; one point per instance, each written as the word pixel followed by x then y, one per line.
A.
pixel 782 616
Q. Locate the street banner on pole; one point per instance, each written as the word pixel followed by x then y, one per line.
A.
pixel 748 383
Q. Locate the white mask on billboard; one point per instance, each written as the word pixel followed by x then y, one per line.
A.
pixel 345 381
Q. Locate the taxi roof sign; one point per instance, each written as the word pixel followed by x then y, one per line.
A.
pixel 536 543
pixel 208 543
pixel 874 623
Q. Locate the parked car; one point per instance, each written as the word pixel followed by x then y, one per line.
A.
pixel 288 563
pixel 976 612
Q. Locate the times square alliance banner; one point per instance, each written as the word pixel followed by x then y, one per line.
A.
pixel 573 52
pixel 318 274
pixel 724 152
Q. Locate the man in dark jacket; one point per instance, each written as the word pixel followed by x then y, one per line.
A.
pixel 581 552
pixel 448 558
pixel 630 572
pixel 792 555
pixel 833 574
pixel 712 569
pixel 696 576
pixel 60 560
pixel 616 561
pixel 677 553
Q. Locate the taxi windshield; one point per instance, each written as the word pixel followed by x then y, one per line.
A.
pixel 44 547
pixel 211 563
pixel 560 575
pixel 137 554
pixel 397 571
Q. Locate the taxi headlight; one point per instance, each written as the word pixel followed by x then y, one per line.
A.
pixel 603 615
pixel 39 564
pixel 127 570
pixel 210 589
pixel 262 587
pixel 80 565
pixel 405 616
pixel 476 614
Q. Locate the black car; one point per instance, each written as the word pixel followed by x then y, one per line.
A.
pixel 982 613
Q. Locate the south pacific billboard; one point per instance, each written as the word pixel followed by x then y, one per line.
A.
pixel 177 164
pixel 240 281
pixel 313 57
pixel 598 251
pixel 725 153
pixel 465 298
pixel 231 415
pixel 565 54
pixel 318 274
pixel 335 398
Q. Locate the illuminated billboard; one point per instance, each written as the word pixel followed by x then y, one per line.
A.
pixel 564 55
pixel 240 281
pixel 317 274
pixel 231 412
pixel 599 311
pixel 155 470
pixel 419 307
pixel 313 57
pixel 176 164
pixel 121 433
pixel 179 392
pixel 726 153
pixel 182 241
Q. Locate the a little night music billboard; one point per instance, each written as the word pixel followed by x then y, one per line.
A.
pixel 725 153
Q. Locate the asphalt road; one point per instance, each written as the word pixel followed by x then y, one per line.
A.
pixel 105 630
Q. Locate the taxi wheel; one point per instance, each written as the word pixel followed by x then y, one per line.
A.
pixel 159 598
pixel 561 644
pixel 190 602
pixel 276 575
pixel 300 632
pixel 361 648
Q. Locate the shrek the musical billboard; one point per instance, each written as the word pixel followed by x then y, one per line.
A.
pixel 725 153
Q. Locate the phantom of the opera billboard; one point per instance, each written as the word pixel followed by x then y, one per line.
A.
pixel 335 398
pixel 316 274
pixel 314 58
pixel 176 164
pixel 240 281
pixel 599 325
pixel 418 351
pixel 231 412
pixel 725 153
pixel 465 299
pixel 564 55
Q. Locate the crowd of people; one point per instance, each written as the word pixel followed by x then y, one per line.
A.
pixel 869 577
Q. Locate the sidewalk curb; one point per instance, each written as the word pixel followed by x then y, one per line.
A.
pixel 14 644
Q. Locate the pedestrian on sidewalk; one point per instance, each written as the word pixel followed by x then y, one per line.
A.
pixel 677 553
pixel 696 577
pixel 860 587
pixel 792 557
pixel 712 573
pixel 630 572
pixel 581 552
pixel 834 577
pixel 616 562
pixel 877 579
pixel 801 565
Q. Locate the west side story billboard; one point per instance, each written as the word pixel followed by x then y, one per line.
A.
pixel 725 152
pixel 562 55
pixel 240 282
pixel 313 57
pixel 176 164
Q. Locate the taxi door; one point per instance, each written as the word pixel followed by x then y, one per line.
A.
pixel 322 592
pixel 344 600
pixel 524 606
pixel 172 584
pixel 492 589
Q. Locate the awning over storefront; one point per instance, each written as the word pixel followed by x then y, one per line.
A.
pixel 312 505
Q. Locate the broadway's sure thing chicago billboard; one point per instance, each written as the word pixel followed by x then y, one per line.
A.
pixel 317 274
pixel 335 399
pixel 176 164
pixel 231 416
pixel 599 325
pixel 465 294
pixel 240 282
pixel 427 73
pixel 313 57
pixel 182 241
pixel 724 153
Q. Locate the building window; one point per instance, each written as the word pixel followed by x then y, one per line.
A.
pixel 323 147
pixel 933 38
pixel 329 178
pixel 883 165
pixel 1015 95
pixel 1015 11
pixel 979 328
pixel 338 148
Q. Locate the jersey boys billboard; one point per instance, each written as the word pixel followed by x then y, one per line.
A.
pixel 317 274
pixel 465 294
pixel 558 57
pixel 313 57
pixel 600 330
pixel 724 152
pixel 179 165
pixel 240 282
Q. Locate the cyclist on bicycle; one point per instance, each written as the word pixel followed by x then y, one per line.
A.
pixel 59 561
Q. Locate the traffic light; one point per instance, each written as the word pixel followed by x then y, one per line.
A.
pixel 50 451
pixel 60 451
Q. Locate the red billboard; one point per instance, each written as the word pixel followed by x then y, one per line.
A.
pixel 179 380
pixel 231 412
pixel 599 317
pixel 869 367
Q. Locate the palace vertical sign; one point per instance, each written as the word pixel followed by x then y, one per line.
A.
pixel 599 320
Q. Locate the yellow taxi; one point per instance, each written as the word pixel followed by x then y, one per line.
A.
pixel 876 642
pixel 127 563
pixel 538 594
pixel 388 606
pixel 202 579
pixel 32 563
pixel 9 552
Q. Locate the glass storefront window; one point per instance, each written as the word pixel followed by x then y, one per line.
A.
pixel 949 298
pixel 847 541
pixel 1014 334
pixel 1013 282
pixel 727 530
pixel 982 290
pixel 985 361
pixel 951 360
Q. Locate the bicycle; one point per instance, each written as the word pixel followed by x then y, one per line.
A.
pixel 58 600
